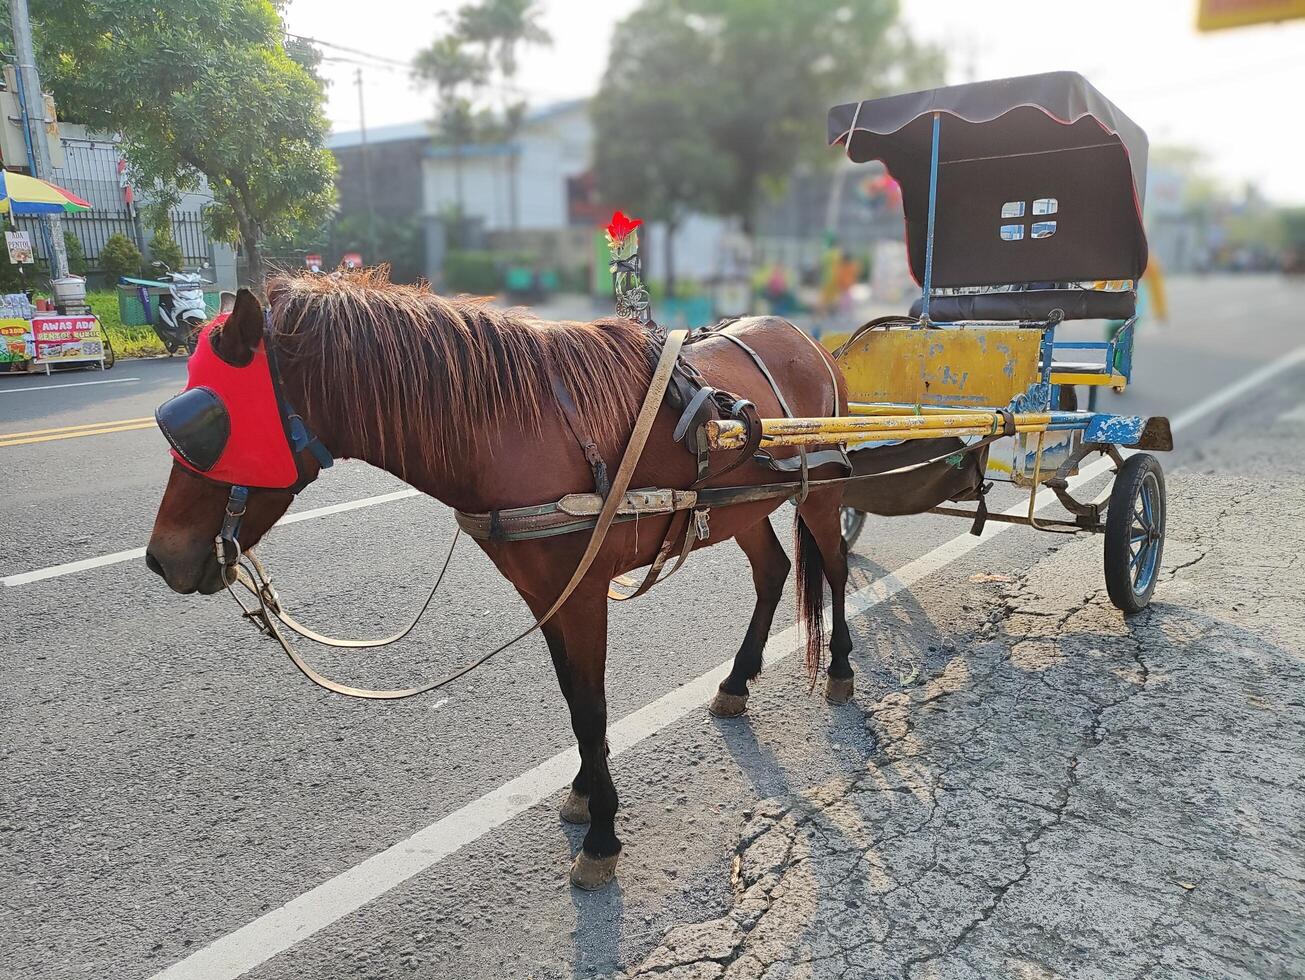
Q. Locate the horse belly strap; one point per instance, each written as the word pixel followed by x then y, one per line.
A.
pixel 650 501
pixel 574 512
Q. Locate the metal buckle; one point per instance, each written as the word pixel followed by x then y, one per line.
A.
pixel 237 504
pixel 701 527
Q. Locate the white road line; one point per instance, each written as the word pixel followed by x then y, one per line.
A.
pixel 86 564
pixel 1226 396
pixel 71 567
pixel 1296 414
pixel 73 384
pixel 257 942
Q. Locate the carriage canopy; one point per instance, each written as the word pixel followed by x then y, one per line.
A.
pixel 1040 178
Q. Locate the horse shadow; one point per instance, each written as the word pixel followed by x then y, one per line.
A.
pixel 599 926
pixel 874 843
pixel 894 641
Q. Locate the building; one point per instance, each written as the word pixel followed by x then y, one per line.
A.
pixel 532 193
pixel 388 166
pixel 520 184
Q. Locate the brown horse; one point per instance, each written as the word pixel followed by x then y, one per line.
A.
pixel 456 398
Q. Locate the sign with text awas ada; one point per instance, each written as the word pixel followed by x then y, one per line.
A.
pixel 67 339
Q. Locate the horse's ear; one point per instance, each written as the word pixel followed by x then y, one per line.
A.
pixel 243 330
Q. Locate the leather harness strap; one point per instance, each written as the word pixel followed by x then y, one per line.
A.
pixel 804 464
pixel 686 526
pixel 587 444
pixel 547 520
pixel 269 611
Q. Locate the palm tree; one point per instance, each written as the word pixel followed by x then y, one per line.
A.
pixel 502 26
pixel 451 66
pixel 486 36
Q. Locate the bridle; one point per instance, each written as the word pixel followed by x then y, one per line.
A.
pixel 234 426
pixel 227 543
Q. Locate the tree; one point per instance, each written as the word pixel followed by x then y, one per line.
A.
pixel 200 90
pixel 766 72
pixel 652 154
pixel 452 68
pixel 72 246
pixel 500 27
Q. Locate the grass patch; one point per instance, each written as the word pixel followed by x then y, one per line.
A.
pixel 139 341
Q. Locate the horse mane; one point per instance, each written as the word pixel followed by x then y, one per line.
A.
pixel 390 359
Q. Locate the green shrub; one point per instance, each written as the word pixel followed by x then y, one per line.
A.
pixel 164 248
pixel 120 257
pixel 139 341
pixel 472 272
pixel 76 255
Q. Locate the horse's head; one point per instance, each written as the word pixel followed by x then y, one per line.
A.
pixel 230 427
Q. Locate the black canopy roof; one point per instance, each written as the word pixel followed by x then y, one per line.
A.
pixel 1050 137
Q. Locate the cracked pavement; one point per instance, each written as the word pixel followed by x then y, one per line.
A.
pixel 1073 794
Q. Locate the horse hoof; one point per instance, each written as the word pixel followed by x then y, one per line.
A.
pixel 838 690
pixel 575 808
pixel 727 705
pixel 591 873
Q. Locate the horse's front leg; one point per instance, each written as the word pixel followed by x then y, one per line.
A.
pixel 583 622
pixel 575 808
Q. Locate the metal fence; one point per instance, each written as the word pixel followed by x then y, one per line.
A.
pixel 189 232
pixel 93 230
pixel 91 172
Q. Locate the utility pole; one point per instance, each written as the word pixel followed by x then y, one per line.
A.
pixel 29 94
pixel 367 172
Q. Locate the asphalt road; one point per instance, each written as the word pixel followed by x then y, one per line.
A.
pixel 168 778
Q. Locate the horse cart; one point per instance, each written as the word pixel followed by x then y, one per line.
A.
pixel 1023 207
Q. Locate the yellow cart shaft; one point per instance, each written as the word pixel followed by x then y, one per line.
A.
pixel 728 434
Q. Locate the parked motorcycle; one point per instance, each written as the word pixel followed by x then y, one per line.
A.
pixel 181 312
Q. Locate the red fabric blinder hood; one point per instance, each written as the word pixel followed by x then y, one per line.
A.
pixel 258 451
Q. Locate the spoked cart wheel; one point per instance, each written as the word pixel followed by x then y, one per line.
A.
pixel 1135 532
pixel 851 521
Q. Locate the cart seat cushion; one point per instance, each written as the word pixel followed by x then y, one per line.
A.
pixel 1031 304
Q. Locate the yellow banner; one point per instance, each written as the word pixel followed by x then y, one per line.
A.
pixel 1218 15
pixel 15 339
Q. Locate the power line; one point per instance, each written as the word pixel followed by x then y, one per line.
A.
pixel 385 63
pixel 354 51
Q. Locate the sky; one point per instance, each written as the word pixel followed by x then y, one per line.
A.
pixel 1232 94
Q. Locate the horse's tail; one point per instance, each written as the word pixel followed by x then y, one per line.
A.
pixel 811 596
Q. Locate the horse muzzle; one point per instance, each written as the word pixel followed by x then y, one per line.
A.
pixel 205 576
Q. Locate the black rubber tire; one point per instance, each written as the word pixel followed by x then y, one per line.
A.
pixel 852 522
pixel 110 358
pixel 1137 505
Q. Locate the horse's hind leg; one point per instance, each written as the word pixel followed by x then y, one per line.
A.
pixel 819 526
pixel 770 568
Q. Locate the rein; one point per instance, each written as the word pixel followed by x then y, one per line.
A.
pixel 247 571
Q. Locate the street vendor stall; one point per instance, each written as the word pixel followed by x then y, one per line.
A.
pixel 58 332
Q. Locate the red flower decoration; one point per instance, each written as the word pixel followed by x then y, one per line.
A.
pixel 619 228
